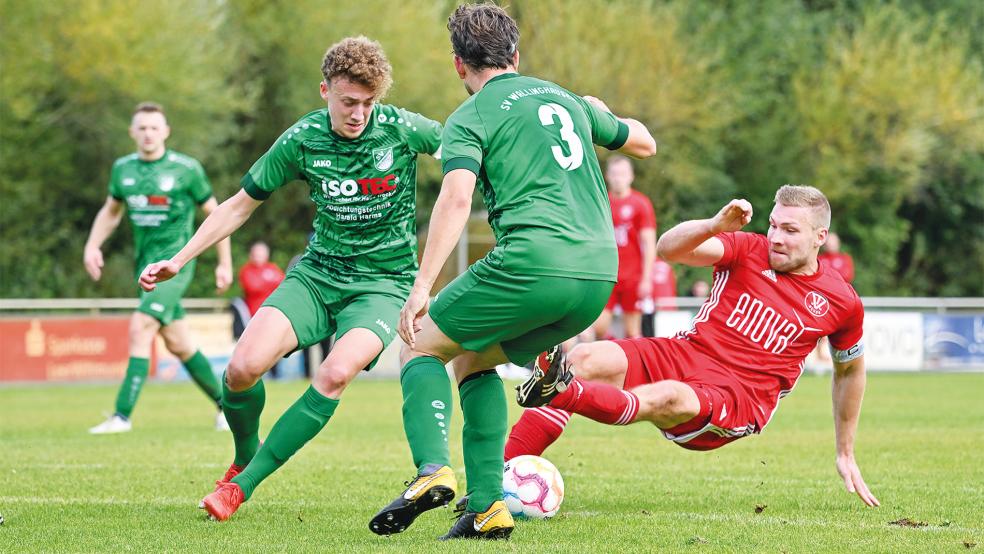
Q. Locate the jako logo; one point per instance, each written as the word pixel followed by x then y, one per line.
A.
pixel 321 163
pixel 370 186
pixel 816 303
pixel 385 327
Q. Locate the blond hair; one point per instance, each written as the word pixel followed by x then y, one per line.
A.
pixel 361 61
pixel 805 196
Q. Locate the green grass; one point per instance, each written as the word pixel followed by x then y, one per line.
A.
pixel 920 445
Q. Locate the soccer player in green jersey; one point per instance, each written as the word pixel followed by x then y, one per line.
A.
pixel 359 158
pixel 527 143
pixel 159 189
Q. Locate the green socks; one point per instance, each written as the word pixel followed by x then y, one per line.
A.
pixel 136 374
pixel 299 424
pixel 427 410
pixel 483 403
pixel 242 412
pixel 200 370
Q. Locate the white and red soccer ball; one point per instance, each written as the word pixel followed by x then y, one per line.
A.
pixel 532 487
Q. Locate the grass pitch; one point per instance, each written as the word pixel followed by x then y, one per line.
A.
pixel 628 490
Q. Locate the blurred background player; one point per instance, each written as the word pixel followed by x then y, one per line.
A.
pixel 723 378
pixel 635 235
pixel 359 158
pixel 841 262
pixel 159 189
pixel 528 144
pixel 258 278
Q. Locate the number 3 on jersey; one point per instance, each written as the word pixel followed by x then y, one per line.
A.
pixel 547 112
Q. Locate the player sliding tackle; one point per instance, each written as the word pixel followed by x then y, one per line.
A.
pixel 360 160
pixel 722 379
pixel 527 143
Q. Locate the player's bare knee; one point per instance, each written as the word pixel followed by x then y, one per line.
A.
pixel 244 371
pixel 591 363
pixel 332 378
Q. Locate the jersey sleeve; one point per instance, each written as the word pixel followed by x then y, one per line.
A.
pixel 737 245
pixel 462 141
pixel 606 130
pixel 115 188
pixel 851 329
pixel 274 169
pixel 201 187
pixel 646 215
pixel 423 135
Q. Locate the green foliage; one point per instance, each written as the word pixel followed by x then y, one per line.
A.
pixel 880 105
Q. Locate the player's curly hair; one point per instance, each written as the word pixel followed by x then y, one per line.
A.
pixel 359 60
pixel 805 196
pixel 483 36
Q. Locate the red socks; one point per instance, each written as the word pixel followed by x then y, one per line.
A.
pixel 598 401
pixel 536 429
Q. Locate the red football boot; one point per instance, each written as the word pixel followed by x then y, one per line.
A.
pixel 224 502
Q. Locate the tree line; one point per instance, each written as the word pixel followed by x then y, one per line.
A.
pixel 879 104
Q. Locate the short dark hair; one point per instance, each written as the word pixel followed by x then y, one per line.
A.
pixel 483 36
pixel 149 107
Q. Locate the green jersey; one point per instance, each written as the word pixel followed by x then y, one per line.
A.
pixel 529 143
pixel 160 198
pixel 364 188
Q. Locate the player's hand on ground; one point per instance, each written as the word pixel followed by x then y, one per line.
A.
pixel 733 216
pixel 851 474
pixel 223 278
pixel 414 309
pixel 156 273
pixel 93 260
pixel 597 103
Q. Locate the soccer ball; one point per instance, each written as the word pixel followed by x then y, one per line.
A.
pixel 532 487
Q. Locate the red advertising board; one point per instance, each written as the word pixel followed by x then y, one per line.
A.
pixel 63 349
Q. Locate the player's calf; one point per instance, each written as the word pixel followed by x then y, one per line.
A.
pixel 667 403
pixel 602 361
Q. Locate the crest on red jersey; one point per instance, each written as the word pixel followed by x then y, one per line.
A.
pixel 626 212
pixel 816 304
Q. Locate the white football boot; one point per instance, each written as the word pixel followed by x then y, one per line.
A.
pixel 115 424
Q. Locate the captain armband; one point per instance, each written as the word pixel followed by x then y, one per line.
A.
pixel 844 356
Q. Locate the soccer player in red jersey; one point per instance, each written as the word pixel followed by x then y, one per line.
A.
pixel 635 235
pixel 722 379
pixel 259 277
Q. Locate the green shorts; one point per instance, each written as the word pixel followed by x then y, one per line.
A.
pixel 523 314
pixel 319 303
pixel 164 302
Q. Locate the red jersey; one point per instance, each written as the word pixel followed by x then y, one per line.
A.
pixel 631 215
pixel 761 325
pixel 840 262
pixel 258 281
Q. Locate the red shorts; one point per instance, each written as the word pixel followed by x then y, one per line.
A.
pixel 626 295
pixel 727 408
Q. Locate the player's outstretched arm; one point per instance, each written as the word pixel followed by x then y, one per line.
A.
pixel 693 242
pixel 106 221
pixel 223 271
pixel 847 392
pixel 448 219
pixel 221 223
pixel 640 142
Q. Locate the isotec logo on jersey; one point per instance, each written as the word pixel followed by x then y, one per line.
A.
pixel 148 201
pixel 371 186
pixel 764 325
pixel 816 303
